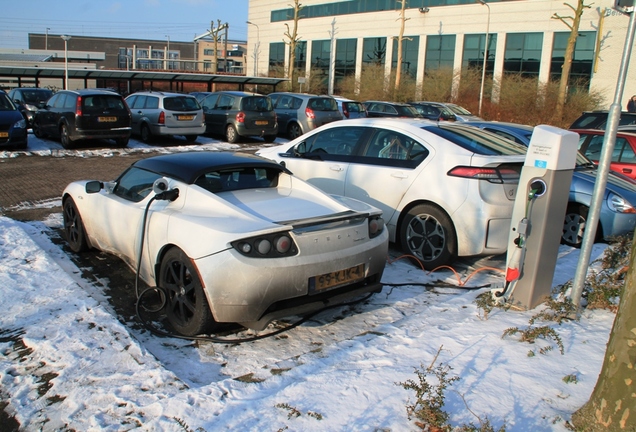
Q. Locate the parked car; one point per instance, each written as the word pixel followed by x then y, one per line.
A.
pixel 298 113
pixel 13 127
pixel 390 109
pixel 156 114
pixel 229 237
pixel 74 115
pixel 434 111
pixel 461 113
pixel 598 120
pixel 618 213
pixel 237 114
pixel 350 109
pixel 29 98
pixel 623 155
pixel 444 190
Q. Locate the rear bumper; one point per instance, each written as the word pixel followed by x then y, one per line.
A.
pixel 123 132
pixel 243 130
pixel 187 130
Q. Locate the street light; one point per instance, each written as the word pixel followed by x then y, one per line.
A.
pixel 66 39
pixel 46 38
pixel 256 47
pixel 483 69
pixel 168 53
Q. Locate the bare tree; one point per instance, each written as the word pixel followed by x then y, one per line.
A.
pixel 292 41
pixel 214 33
pixel 400 38
pixel 612 406
pixel 572 22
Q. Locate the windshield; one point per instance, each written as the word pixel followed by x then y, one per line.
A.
pixel 5 103
pixel 476 140
pixel 36 96
pixel 459 110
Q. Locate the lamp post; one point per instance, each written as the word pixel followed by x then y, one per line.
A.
pixel 256 47
pixel 66 39
pixel 167 66
pixel 46 38
pixel 483 69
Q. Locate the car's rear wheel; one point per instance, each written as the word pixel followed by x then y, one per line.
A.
pixel 269 138
pixel 73 227
pixel 574 225
pixel 428 235
pixel 187 308
pixel 294 131
pixel 37 129
pixel 230 134
pixel 65 138
pixel 121 142
pixel 191 138
pixel 146 135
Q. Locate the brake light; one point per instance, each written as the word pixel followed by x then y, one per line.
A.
pixel 240 117
pixel 345 111
pixel 493 175
pixel 310 113
pixel 78 107
pixel 162 118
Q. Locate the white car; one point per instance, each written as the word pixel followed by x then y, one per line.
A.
pixel 446 190
pixel 229 237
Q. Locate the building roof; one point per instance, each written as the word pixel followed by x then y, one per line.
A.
pixel 25 57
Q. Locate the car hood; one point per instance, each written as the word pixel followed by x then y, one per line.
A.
pixel 8 118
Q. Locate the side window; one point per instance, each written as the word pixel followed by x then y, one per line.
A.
pixel 341 141
pixel 628 155
pixel 130 101
pixel 225 102
pixel 135 184
pixel 70 101
pixel 390 110
pixel 391 148
pixel 53 100
pixel 296 103
pixel 139 102
pixel 151 102
pixel 209 102
pixel 594 147
pixel 59 102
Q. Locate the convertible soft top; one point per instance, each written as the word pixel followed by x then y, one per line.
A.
pixel 189 166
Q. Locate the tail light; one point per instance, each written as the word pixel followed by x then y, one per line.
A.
pixel 310 113
pixel 376 226
pixel 162 118
pixel 501 174
pixel 240 117
pixel 78 107
pixel 345 111
pixel 267 246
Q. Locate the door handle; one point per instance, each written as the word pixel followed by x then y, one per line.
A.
pixel 627 170
pixel 336 168
pixel 399 175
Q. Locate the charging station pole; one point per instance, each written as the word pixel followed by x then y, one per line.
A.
pixel 538 214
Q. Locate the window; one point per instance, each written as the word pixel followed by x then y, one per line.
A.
pixel 276 55
pixel 345 59
pixel 523 53
pixel 135 184
pixel 391 148
pixel 410 52
pixel 209 102
pixel 237 179
pixel 373 51
pixel 300 61
pixel 440 52
pixel 582 60
pixel 334 144
pixel 473 56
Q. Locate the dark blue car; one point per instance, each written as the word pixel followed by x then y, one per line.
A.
pixel 618 212
pixel 13 127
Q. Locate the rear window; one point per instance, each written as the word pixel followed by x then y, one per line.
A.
pixel 354 106
pixel 256 103
pixel 477 141
pixel 407 111
pixel 322 104
pixel 181 103
pixel 237 179
pixel 598 120
pixel 99 103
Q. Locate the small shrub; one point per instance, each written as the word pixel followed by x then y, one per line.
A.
pixel 531 334
pixel 570 379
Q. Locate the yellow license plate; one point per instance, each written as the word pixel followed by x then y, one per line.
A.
pixel 337 278
pixel 185 117
pixel 4 134
pixel 106 119
pixel 261 122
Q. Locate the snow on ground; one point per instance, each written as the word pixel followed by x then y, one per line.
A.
pixel 67 362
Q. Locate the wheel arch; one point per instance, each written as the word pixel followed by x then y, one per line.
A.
pixel 413 204
pixel 67 196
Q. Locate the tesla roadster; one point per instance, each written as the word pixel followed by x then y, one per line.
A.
pixel 229 237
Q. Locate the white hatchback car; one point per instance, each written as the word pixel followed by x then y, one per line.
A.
pixel 445 190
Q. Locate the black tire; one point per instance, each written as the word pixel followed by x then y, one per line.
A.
pixel 294 131
pixel 574 225
pixel 121 142
pixel 186 305
pixel 37 129
pixel 65 138
pixel 146 135
pixel 231 135
pixel 269 138
pixel 428 235
pixel 73 227
pixel 191 138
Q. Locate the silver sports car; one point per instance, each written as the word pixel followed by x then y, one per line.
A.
pixel 229 237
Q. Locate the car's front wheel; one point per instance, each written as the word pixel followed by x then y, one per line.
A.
pixel 574 225
pixel 187 308
pixel 37 129
pixel 231 134
pixel 294 131
pixel 73 227
pixel 428 235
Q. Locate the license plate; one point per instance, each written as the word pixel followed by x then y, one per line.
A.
pixel 337 278
pixel 185 117
pixel 261 122
pixel 106 119
pixel 4 134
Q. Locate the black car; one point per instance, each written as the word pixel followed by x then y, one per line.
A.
pixel 237 114
pixel 434 111
pixel 598 120
pixel 28 99
pixel 13 127
pixel 73 115
pixel 390 109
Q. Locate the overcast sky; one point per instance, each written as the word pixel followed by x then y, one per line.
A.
pixel 181 20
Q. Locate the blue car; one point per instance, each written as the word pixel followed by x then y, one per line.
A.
pixel 13 127
pixel 618 214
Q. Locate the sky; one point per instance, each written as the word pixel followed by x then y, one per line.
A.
pixel 68 362
pixel 181 20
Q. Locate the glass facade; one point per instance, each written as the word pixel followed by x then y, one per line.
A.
pixel 345 59
pixel 374 51
pixel 276 55
pixel 523 53
pixel 320 51
pixel 301 55
pixel 410 53
pixel 582 60
pixel 440 52
pixel 473 56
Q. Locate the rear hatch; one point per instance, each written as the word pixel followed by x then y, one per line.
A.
pixel 104 112
pixel 259 112
pixel 182 112
pixel 323 110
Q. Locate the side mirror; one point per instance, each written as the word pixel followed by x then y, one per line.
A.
pixel 93 186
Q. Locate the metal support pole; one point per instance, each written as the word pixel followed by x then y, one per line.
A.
pixel 483 70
